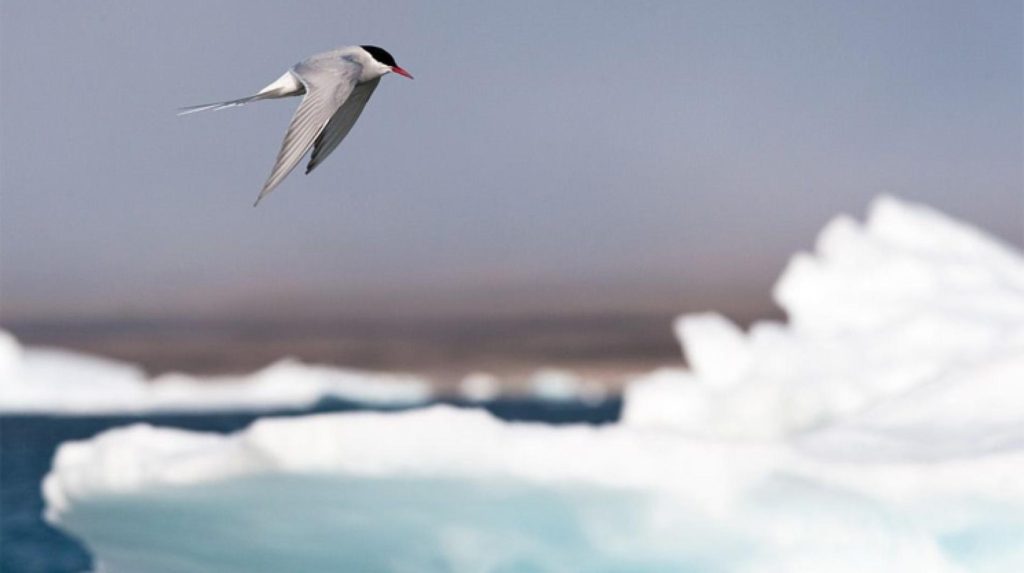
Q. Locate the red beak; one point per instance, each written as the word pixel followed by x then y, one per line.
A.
pixel 398 70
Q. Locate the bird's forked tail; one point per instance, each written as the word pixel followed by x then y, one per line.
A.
pixel 219 105
pixel 286 85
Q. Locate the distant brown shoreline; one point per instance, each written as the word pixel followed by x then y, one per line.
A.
pixel 606 348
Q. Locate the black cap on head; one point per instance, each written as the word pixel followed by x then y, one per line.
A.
pixel 381 55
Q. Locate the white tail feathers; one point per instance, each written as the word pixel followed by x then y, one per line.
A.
pixel 284 86
pixel 218 105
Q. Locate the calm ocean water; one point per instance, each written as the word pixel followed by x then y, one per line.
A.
pixel 27 445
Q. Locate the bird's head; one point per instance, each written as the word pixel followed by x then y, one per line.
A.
pixel 384 62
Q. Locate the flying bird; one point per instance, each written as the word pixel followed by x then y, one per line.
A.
pixel 336 86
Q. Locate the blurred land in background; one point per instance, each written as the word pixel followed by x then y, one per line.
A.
pixel 606 348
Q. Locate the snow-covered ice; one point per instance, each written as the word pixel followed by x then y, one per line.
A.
pixel 40 380
pixel 469 493
pixel 903 304
pixel 880 429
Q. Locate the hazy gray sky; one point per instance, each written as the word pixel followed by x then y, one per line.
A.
pixel 548 156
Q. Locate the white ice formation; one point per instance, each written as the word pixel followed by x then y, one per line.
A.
pixel 39 380
pixel 881 429
pixel 891 310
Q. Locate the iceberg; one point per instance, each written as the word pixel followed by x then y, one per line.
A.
pixel 899 305
pixel 41 380
pixel 445 489
pixel 880 429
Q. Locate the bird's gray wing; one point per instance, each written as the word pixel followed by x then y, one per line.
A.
pixel 328 84
pixel 341 123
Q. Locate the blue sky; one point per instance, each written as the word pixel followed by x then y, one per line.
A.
pixel 569 157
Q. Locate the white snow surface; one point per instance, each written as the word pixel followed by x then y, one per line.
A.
pixel 880 429
pixel 40 380
pixel 884 313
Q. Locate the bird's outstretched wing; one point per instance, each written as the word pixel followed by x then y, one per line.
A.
pixel 328 83
pixel 341 123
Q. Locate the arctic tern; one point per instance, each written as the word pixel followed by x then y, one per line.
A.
pixel 336 86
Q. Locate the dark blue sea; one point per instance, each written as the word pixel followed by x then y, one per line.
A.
pixel 27 445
